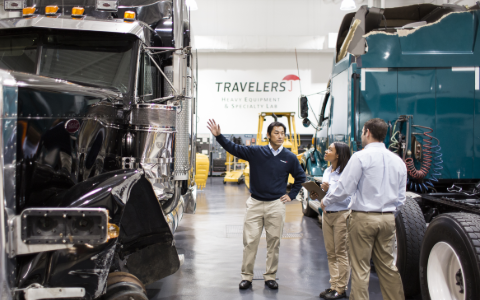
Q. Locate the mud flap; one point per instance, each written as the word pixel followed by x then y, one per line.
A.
pixel 154 262
pixel 146 241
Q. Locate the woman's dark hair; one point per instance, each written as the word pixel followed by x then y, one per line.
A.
pixel 343 152
pixel 275 124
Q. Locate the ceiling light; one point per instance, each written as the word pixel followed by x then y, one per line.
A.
pixel 347 5
pixel 192 4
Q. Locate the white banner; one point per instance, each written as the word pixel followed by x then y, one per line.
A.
pixel 235 98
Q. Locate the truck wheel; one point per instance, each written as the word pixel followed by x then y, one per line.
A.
pixel 410 229
pixel 306 209
pixel 450 258
pixel 124 286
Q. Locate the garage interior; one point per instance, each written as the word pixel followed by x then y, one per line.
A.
pixel 112 187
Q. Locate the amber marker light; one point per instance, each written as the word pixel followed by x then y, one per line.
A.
pixel 113 231
pixel 313 141
pixel 29 11
pixel 78 11
pixel 129 16
pixel 51 10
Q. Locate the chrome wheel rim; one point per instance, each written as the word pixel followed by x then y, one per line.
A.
pixel 445 273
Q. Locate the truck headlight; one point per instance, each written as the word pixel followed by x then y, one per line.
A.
pixel 64 226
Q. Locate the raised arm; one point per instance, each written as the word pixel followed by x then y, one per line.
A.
pixel 239 151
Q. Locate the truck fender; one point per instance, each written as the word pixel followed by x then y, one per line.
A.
pixel 144 232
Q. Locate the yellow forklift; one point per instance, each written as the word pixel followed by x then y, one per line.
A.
pixel 235 166
pixel 292 139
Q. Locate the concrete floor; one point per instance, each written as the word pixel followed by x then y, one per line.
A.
pixel 211 241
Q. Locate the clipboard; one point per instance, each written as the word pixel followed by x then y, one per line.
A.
pixel 313 187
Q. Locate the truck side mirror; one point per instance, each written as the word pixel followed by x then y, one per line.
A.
pixel 306 122
pixel 304 107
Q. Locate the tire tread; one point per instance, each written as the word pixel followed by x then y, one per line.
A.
pixel 470 223
pixel 415 227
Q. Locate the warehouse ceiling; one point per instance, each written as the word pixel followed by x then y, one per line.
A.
pixel 276 25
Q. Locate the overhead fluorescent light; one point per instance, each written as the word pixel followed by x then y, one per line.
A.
pixel 347 5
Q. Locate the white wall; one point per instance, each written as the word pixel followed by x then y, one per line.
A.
pixel 237 111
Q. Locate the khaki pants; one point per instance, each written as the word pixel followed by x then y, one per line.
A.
pixel 370 236
pixel 334 227
pixel 268 214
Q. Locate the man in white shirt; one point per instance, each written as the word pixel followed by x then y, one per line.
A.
pixel 376 179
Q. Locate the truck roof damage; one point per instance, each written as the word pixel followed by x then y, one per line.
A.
pixel 390 21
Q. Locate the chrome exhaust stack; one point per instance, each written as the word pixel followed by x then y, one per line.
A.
pixel 182 163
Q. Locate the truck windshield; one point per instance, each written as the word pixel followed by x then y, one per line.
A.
pixel 89 58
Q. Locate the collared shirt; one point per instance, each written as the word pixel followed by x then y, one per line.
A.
pixel 375 177
pixel 275 152
pixel 332 179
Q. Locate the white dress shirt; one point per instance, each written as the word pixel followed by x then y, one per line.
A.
pixel 375 177
pixel 332 179
pixel 275 152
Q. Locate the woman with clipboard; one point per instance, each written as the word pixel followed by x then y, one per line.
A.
pixel 334 223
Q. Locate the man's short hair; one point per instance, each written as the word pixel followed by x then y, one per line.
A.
pixel 378 128
pixel 275 124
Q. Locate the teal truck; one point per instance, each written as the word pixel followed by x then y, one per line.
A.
pixel 417 68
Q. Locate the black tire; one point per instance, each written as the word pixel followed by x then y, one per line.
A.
pixel 410 229
pixel 124 286
pixel 460 231
pixel 124 291
pixel 306 209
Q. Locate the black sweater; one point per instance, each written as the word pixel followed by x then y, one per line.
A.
pixel 268 173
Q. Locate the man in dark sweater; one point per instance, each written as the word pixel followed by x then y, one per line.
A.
pixel 269 169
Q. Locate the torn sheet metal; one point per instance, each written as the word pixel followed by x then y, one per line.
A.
pixel 348 39
pixel 452 40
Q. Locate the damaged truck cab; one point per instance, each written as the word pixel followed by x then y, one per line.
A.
pixel 97 102
pixel 417 68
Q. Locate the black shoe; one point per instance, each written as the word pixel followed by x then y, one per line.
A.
pixel 271 284
pixel 322 294
pixel 244 284
pixel 335 295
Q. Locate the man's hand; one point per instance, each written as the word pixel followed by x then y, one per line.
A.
pixel 325 186
pixel 313 195
pixel 323 206
pixel 285 199
pixel 214 127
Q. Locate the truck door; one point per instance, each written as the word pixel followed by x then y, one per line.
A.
pixel 455 96
pixel 378 96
